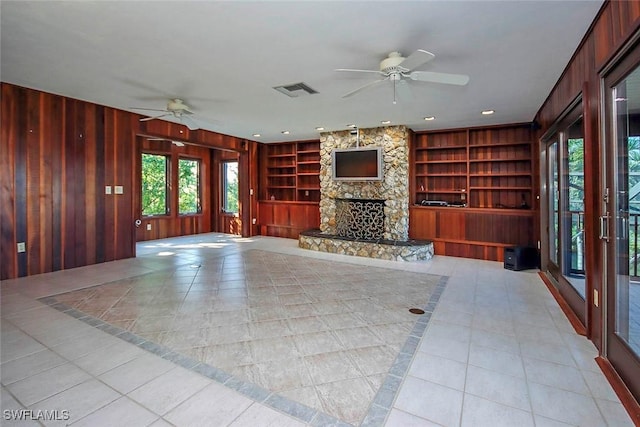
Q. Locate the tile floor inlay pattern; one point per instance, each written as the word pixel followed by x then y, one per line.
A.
pixel 299 334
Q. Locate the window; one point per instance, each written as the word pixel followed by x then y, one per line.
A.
pixel 188 186
pixel 154 184
pixel 230 187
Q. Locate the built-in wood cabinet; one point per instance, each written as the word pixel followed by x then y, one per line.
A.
pixel 287 219
pixel 289 188
pixel 291 171
pixel 478 167
pixel 484 178
pixel 472 232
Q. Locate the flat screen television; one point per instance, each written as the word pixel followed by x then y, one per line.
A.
pixel 357 164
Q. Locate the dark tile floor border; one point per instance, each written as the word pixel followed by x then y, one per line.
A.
pixel 379 408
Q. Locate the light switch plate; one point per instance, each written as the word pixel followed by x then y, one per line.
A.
pixel 119 189
pixel 22 247
pixel 107 189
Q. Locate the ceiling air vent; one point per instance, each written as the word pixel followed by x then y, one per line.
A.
pixel 295 90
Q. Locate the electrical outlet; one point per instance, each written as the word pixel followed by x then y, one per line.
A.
pixel 148 227
pixel 22 247
pixel 254 221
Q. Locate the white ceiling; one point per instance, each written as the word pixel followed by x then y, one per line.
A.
pixel 224 58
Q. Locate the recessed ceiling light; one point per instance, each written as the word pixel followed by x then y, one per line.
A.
pixel 319 128
pixel 257 135
pixel 285 132
pixel 429 118
pixel 385 122
pixel 351 126
pixel 488 112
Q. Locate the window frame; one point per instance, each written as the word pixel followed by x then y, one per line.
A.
pixel 223 192
pixel 199 190
pixel 167 185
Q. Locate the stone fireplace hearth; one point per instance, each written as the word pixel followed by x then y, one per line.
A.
pixel 368 218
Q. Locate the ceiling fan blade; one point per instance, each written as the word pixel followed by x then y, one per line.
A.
pixel 359 71
pixel 189 123
pixel 368 85
pixel 445 78
pixel 403 90
pixel 416 59
pixel 147 109
pixel 146 119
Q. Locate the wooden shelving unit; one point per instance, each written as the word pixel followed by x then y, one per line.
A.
pixel 501 168
pixel 289 193
pixel 308 171
pixel 291 171
pixel 490 171
pixel 482 168
pixel 441 166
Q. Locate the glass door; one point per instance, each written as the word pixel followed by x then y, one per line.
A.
pixel 572 209
pixel 565 209
pixel 621 220
pixel 553 194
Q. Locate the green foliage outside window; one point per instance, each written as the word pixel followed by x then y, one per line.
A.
pixel 188 186
pixel 154 184
pixel 230 184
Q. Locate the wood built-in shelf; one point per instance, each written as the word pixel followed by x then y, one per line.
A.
pixel 486 174
pixel 289 188
pixel 481 167
pixel 290 171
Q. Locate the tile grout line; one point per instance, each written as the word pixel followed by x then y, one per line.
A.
pixel 255 392
pixel 384 399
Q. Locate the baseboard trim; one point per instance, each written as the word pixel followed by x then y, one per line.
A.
pixel 626 398
pixel 571 316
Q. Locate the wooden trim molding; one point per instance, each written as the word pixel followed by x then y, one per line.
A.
pixel 571 316
pixel 626 398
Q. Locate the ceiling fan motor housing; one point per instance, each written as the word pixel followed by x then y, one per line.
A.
pixel 391 64
pixel 176 105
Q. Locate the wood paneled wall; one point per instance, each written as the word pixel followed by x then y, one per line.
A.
pixel 614 26
pixel 57 154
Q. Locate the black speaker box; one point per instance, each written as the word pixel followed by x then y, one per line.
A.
pixel 520 258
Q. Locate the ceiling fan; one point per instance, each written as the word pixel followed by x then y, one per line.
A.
pixel 176 108
pixel 399 70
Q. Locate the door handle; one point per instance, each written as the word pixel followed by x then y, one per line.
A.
pixel 604 227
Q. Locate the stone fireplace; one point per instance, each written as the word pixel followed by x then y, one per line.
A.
pixel 393 189
pixel 368 218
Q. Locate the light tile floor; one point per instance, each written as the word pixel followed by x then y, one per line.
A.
pixel 497 350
